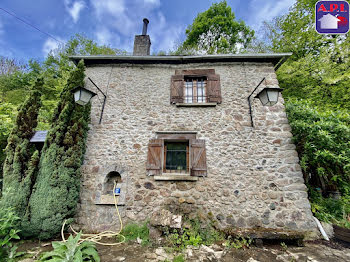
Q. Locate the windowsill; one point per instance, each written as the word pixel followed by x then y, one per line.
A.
pixel 196 104
pixel 109 200
pixel 175 177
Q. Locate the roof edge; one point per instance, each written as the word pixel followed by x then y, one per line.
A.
pixel 275 58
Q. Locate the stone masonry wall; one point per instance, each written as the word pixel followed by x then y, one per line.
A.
pixel 254 177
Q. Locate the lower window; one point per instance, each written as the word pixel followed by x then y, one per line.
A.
pixel 176 157
pixel 177 153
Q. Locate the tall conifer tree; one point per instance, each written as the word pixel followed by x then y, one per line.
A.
pixel 56 191
pixel 21 156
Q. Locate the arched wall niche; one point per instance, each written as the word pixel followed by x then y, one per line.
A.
pixel 105 179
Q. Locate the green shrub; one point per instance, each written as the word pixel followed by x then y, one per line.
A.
pixel 336 211
pixel 133 231
pixel 322 141
pixel 71 251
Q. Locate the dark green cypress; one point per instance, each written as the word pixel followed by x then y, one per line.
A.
pixel 20 166
pixel 56 191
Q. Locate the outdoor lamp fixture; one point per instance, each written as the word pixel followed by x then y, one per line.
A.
pixel 268 97
pixel 82 96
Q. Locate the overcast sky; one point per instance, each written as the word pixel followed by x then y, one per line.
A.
pixel 112 22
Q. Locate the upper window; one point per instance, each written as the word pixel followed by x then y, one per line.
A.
pixel 195 90
pixel 198 86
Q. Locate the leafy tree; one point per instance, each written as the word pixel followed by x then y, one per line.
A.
pixel 9 66
pixel 315 81
pixel 295 32
pixel 319 67
pixel 21 157
pixel 216 31
pixel 56 190
pixel 18 80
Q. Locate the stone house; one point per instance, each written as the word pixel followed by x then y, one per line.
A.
pixel 176 133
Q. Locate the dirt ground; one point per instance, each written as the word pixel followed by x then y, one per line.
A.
pixel 133 252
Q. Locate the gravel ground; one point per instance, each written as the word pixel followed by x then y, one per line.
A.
pixel 133 252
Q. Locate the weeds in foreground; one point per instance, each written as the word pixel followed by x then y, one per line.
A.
pixel 132 232
pixel 72 251
pixel 179 258
pixel 284 246
pixel 8 232
pixel 194 234
pixel 237 242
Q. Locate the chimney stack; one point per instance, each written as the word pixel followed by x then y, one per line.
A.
pixel 142 43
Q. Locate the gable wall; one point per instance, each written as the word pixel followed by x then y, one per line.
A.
pixel 254 178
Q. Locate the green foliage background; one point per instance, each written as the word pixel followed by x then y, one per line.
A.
pixel 43 187
pixel 17 80
pixel 316 81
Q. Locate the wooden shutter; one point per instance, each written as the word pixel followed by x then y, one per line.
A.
pixel 154 157
pixel 198 158
pixel 214 88
pixel 176 90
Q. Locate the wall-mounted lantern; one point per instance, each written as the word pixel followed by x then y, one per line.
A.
pixel 82 96
pixel 268 97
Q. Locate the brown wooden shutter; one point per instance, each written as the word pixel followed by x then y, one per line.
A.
pixel 176 90
pixel 214 89
pixel 198 158
pixel 154 157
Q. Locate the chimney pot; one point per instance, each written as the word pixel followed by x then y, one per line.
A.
pixel 145 24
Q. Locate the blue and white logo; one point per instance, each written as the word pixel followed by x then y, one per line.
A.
pixel 332 17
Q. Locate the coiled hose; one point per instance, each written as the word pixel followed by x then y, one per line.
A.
pixel 96 238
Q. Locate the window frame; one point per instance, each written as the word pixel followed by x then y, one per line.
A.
pixel 188 164
pixel 196 152
pixel 195 88
pixel 179 87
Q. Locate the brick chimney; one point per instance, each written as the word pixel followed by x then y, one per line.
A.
pixel 142 43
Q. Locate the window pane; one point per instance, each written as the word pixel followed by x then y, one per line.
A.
pixel 189 92
pixel 195 90
pixel 200 91
pixel 176 157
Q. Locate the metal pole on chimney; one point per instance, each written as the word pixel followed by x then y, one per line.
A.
pixel 145 24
